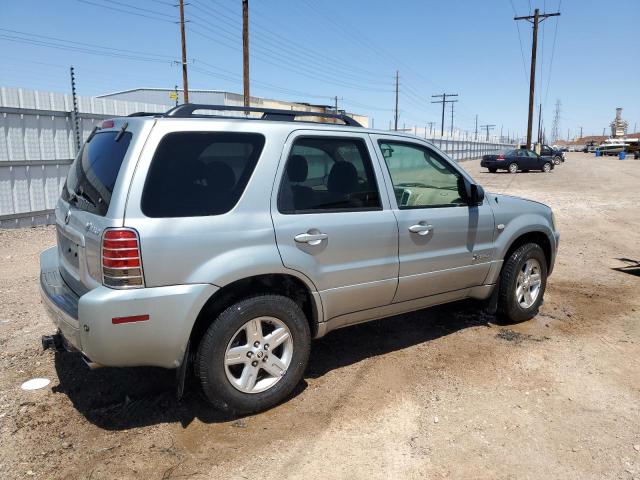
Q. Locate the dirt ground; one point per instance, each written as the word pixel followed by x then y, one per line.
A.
pixel 440 393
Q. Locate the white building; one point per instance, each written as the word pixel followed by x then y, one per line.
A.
pixel 218 97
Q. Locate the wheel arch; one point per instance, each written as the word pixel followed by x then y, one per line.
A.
pixel 275 283
pixel 535 236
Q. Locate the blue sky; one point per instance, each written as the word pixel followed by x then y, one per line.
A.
pixel 308 50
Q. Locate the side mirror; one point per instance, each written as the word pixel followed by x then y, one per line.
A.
pixel 471 193
pixel 477 194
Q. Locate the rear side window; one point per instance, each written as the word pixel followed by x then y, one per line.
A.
pixel 93 173
pixel 326 174
pixel 196 174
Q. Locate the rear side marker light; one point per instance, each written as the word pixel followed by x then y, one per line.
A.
pixel 130 319
pixel 121 259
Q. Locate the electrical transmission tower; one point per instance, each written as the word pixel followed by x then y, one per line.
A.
pixel 555 129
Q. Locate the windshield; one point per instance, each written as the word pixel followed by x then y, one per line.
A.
pixel 93 174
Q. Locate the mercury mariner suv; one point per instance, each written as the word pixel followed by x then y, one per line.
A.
pixel 220 246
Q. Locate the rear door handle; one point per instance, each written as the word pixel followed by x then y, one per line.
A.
pixel 311 238
pixel 420 229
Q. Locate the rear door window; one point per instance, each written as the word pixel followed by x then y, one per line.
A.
pixel 199 173
pixel 93 174
pixel 326 174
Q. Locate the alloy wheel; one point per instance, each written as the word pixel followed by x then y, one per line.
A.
pixel 528 283
pixel 258 354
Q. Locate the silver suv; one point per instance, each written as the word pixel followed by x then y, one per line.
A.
pixel 220 246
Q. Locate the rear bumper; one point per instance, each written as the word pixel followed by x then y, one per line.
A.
pixel 87 321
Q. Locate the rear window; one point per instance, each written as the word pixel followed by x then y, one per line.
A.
pixel 199 173
pixel 93 174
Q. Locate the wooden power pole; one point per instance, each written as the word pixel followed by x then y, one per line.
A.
pixel 245 52
pixel 444 102
pixel 185 82
pixel 534 19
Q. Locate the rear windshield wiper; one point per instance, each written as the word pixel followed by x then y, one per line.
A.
pixel 85 197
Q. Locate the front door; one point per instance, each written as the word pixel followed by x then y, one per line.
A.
pixel 445 245
pixel 333 220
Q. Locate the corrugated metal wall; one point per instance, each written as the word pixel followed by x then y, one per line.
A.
pixel 37 146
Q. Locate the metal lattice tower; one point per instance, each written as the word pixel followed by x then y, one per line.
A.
pixel 555 129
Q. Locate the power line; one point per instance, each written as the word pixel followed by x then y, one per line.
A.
pixel 524 66
pixel 553 50
pixel 126 11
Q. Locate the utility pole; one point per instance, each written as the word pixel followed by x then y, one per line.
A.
pixel 431 124
pixel 336 103
pixel 476 137
pixel 444 101
pixel 185 82
pixel 245 52
pixel 534 19
pixel 74 113
pixel 500 133
pixel 396 110
pixel 540 123
pixel 580 132
pixel 451 119
pixel 175 91
pixel 488 127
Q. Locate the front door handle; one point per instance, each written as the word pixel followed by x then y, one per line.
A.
pixel 311 238
pixel 420 229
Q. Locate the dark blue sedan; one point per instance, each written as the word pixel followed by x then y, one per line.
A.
pixel 516 160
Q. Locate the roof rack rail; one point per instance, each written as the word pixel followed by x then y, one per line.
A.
pixel 143 114
pixel 186 110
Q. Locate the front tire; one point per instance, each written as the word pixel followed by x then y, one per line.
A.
pixel 546 168
pixel 254 354
pixel 557 160
pixel 522 284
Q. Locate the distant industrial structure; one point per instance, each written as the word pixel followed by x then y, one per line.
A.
pixel 619 126
pixel 168 96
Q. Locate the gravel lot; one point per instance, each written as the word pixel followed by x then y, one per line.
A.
pixel 441 393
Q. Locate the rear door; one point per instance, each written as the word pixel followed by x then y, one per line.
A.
pixel 333 221
pixel 445 245
pixel 524 162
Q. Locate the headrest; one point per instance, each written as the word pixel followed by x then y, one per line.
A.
pixel 297 168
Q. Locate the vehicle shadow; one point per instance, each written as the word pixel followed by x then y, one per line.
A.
pixel 124 398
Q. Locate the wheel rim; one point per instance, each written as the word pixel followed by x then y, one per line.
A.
pixel 528 283
pixel 513 168
pixel 546 167
pixel 258 354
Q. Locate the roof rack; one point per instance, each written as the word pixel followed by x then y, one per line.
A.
pixel 186 111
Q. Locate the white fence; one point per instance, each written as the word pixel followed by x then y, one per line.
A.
pixel 37 145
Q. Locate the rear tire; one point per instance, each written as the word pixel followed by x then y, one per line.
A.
pixel 513 167
pixel 493 170
pixel 239 371
pixel 524 271
pixel 557 160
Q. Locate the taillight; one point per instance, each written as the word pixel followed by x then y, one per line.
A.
pixel 121 259
pixel 500 157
